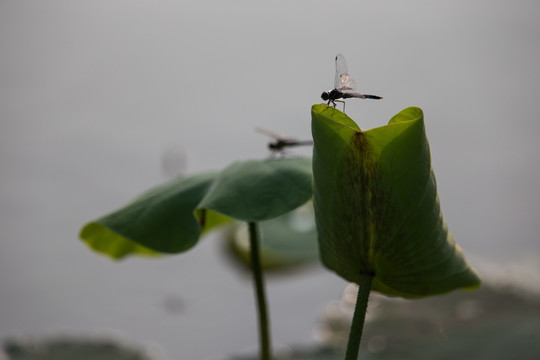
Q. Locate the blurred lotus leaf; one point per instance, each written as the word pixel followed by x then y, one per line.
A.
pixel 71 348
pixel 286 241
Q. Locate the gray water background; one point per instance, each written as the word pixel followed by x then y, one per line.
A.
pixel 93 94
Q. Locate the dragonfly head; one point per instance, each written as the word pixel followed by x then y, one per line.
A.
pixel 325 96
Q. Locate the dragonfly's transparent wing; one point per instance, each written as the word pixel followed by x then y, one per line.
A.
pixel 341 68
pixel 268 133
pixel 343 80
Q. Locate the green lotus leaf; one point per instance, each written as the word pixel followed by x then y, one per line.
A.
pixel 171 217
pixel 286 241
pixel 259 190
pixel 161 220
pixel 377 209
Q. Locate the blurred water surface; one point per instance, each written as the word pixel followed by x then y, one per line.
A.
pixel 93 94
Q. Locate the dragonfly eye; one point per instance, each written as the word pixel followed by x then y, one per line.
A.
pixel 325 95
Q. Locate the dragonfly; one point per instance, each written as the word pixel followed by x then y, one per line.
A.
pixel 344 86
pixel 280 143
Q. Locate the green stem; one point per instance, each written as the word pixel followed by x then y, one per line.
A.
pixel 264 325
pixel 353 346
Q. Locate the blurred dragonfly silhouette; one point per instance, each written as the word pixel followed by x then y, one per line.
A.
pixel 174 162
pixel 280 143
pixel 344 86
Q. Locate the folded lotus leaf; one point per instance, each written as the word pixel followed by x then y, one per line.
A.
pixel 377 209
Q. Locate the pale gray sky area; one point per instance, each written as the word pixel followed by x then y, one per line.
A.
pixel 94 93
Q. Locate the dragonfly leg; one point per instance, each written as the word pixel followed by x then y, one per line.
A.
pixel 341 101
